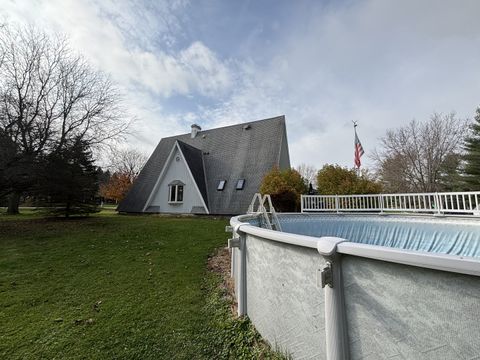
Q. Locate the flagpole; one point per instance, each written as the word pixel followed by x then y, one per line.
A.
pixel 358 149
pixel 355 124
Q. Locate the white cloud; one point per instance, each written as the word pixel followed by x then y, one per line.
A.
pixel 382 63
pixel 111 35
pixel 206 72
pixel 119 37
pixel 379 62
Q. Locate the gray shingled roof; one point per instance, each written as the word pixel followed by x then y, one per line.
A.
pixel 229 153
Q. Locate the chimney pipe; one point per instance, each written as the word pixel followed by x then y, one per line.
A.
pixel 195 130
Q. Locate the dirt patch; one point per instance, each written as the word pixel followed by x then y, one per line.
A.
pixel 219 263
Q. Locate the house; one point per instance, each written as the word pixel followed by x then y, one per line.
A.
pixel 214 171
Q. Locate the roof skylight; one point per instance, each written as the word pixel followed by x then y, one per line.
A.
pixel 221 185
pixel 240 184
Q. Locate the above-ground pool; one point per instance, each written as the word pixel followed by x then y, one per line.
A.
pixel 341 286
pixel 455 236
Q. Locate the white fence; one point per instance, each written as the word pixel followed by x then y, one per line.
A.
pixel 465 203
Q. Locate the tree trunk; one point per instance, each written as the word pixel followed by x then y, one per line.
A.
pixel 13 203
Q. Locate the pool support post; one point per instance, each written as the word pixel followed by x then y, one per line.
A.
pixel 238 246
pixel 331 281
pixel 232 253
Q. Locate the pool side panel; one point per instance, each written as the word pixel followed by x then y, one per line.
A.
pixel 398 304
pixel 283 300
pixel 403 312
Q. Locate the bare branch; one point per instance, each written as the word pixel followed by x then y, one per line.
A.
pixel 51 99
pixel 413 158
pixel 308 172
pixel 127 162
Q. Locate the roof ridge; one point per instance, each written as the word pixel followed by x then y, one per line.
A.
pixel 279 117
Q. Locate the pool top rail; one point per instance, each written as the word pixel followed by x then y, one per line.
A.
pixel 329 245
pixel 438 203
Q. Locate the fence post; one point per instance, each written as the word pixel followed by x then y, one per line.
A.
pixel 336 204
pixel 438 204
pixel 381 203
pixel 302 198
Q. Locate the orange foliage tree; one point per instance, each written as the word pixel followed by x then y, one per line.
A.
pixel 126 164
pixel 116 187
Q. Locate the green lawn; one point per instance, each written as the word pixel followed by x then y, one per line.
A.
pixel 111 286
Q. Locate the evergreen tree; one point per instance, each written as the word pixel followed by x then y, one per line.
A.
pixel 16 172
pixel 472 158
pixel 68 182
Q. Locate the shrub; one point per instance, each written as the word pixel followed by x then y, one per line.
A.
pixel 285 188
pixel 337 180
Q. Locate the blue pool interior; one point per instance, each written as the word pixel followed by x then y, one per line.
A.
pixel 455 236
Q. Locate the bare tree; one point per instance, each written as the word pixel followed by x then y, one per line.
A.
pixel 392 172
pixel 418 157
pixel 51 98
pixel 308 172
pixel 128 162
pixel 89 105
pixel 125 165
pixel 29 87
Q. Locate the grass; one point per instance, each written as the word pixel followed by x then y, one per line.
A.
pixel 116 287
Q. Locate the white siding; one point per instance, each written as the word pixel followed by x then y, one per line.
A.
pixel 176 170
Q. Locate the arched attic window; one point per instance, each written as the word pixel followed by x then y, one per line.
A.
pixel 175 192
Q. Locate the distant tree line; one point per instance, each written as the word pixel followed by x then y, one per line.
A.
pixel 56 111
pixel 441 154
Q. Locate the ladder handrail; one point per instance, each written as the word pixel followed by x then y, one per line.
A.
pixel 262 210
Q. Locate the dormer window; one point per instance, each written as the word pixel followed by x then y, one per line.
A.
pixel 175 192
pixel 221 185
pixel 240 184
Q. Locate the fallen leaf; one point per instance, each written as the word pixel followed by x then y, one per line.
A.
pixel 96 306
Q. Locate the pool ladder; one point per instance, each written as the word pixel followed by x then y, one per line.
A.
pixel 266 211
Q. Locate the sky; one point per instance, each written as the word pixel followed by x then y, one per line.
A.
pixel 322 64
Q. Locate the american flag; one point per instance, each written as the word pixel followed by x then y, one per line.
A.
pixel 358 151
